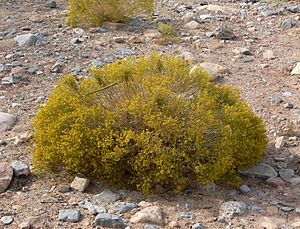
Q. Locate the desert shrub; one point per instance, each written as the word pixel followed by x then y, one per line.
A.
pixel 87 13
pixel 146 121
pixel 169 35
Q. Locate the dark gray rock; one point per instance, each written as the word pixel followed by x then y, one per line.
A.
pixel 224 33
pixel 197 226
pixel 294 9
pixel 277 101
pixel 123 207
pixel 69 215
pixel 107 196
pixel 92 208
pixel 110 221
pixel 268 13
pixel 261 170
pixel 287 24
pixel 231 208
pixel 51 4
pixel 21 168
pixel 64 189
pixel 245 188
pixel 7 121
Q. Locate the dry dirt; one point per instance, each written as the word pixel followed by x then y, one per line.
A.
pixel 36 198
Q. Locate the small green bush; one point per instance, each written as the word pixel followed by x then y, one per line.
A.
pixel 88 13
pixel 168 33
pixel 146 121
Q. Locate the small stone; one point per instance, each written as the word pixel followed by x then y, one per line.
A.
pixel 76 40
pixel 215 70
pixel 24 225
pixel 190 57
pixel 217 9
pixel 268 13
pixel 107 196
pixel 287 24
pixel 152 34
pixel 272 210
pixel 266 223
pixel 26 39
pixel 108 220
pixel 287 209
pixel 296 69
pixel 174 224
pixel 288 105
pixel 113 26
pixel 295 180
pixel 151 226
pixel 64 189
pixel 134 40
pixel 242 50
pixel 6 220
pixel 57 67
pixel 20 168
pixel 189 16
pixel 187 215
pixel 51 4
pixel 119 39
pixel 192 25
pixel 6 175
pixel 245 188
pixel 294 9
pixel 279 142
pixel 80 183
pixel 286 174
pixel 125 52
pixel 92 208
pixel 97 64
pixel 197 226
pixel 277 101
pixel 261 170
pixel 269 55
pixel 287 94
pixel 123 207
pixel 224 33
pixel 258 209
pixel 7 121
pixel 69 215
pixel 276 181
pixel 152 214
pixel 231 208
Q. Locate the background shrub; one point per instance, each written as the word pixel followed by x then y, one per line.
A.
pixel 146 121
pixel 87 13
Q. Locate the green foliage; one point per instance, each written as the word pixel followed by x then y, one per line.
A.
pixel 146 121
pixel 87 13
pixel 168 33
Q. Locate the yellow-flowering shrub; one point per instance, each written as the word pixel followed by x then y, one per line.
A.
pixel 146 121
pixel 87 13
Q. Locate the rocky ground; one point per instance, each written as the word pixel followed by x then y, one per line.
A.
pixel 253 45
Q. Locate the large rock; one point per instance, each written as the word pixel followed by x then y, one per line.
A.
pixel 107 196
pixel 80 183
pixel 261 170
pixel 69 215
pixel 296 69
pixel 110 221
pixel 6 175
pixel 152 214
pixel 6 121
pixel 26 39
pixel 215 70
pixel 20 168
pixel 231 208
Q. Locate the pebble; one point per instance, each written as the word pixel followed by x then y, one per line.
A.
pixel 25 225
pixel 152 34
pixel 7 121
pixel 123 207
pixel 276 181
pixel 197 226
pixel 261 170
pixel 268 13
pixel 80 183
pixel 6 220
pixel 269 55
pixel 224 33
pixel 51 4
pixel 232 208
pixel 245 189
pixel 26 39
pixel 92 208
pixel 294 9
pixel 151 226
pixel 279 142
pixel 113 26
pixel 109 220
pixel 6 175
pixel 107 196
pixel 287 24
pixel 69 215
pixel 64 189
pixel 20 168
pixel 192 25
pixel 152 214
pixel 296 69
pixel 215 70
pixel 125 52
pixel 187 215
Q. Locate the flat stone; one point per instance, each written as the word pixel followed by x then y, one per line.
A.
pixel 109 220
pixel 123 207
pixel 26 39
pixel 217 9
pixel 269 55
pixel 279 142
pixel 276 181
pixel 7 121
pixel 51 4
pixel 69 215
pixel 198 226
pixel 295 180
pixel 245 188
pixel 151 226
pixel 294 9
pixel 224 33
pixel 107 196
pixel 215 70
pixel 232 208
pixel 6 220
pixel 125 52
pixel 187 215
pixel 289 23
pixel 80 183
pixel 286 174
pixel 192 25
pixel 268 13
pixel 6 175
pixel 91 207
pixel 296 69
pixel 24 225
pixel 152 34
pixel 20 168
pixel 152 214
pixel 261 170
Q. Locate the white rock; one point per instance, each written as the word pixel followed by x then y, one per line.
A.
pixel 6 121
pixel 80 183
pixel 217 9
pixel 20 168
pixel 296 69
pixel 269 55
pixel 261 170
pixel 151 214
pixel 152 34
pixel 26 39
pixel 231 208
pixel 190 57
pixel 279 142
pixel 6 175
pixel 192 25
